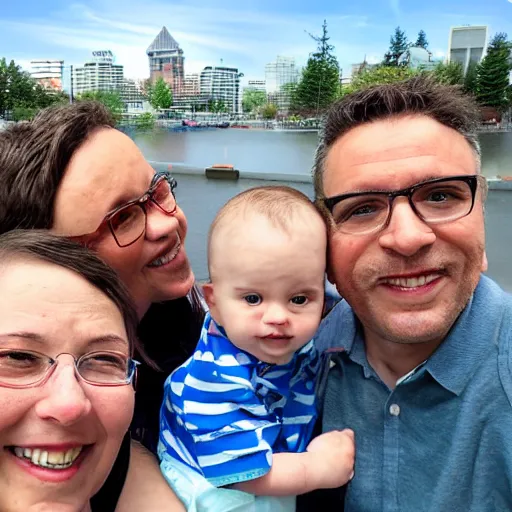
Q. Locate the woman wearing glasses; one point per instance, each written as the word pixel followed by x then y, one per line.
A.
pixel 70 171
pixel 67 335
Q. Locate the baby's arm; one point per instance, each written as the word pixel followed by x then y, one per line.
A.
pixel 328 462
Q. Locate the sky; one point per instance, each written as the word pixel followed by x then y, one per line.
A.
pixel 245 33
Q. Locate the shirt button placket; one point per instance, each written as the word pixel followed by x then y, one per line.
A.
pixel 391 455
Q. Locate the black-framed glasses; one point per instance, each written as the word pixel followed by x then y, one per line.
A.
pixel 127 223
pixel 434 201
pixel 21 368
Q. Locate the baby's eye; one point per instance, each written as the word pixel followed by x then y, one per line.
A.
pixel 300 300
pixel 253 299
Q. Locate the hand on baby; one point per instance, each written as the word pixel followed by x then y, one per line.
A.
pixel 332 456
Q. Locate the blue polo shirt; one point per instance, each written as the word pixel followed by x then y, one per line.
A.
pixel 442 439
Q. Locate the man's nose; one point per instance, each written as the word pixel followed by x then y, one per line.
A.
pixel 406 233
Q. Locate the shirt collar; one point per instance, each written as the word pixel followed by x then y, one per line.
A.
pixel 475 332
pixel 457 358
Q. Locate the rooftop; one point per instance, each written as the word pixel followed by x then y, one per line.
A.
pixel 163 42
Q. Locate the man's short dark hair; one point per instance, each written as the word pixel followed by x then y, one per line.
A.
pixel 420 95
pixel 34 156
pixel 40 245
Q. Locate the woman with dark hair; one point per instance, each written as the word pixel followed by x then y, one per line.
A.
pixel 69 170
pixel 67 338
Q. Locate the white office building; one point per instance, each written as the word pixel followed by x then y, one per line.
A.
pixel 48 73
pixel 221 83
pixel 278 75
pixel 467 44
pixel 99 74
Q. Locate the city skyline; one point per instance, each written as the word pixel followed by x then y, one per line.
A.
pixel 247 38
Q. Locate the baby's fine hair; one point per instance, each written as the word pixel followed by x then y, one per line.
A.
pixel 279 204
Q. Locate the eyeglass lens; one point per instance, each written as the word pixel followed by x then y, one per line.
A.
pixel 129 223
pixel 20 368
pixel 433 202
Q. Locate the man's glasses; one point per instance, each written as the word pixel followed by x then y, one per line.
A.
pixel 434 201
pixel 24 368
pixel 127 223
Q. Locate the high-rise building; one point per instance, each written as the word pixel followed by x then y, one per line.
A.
pixel 467 44
pixel 166 60
pixel 48 73
pixel 221 83
pixel 99 74
pixel 278 77
pixel 132 95
pixel 190 86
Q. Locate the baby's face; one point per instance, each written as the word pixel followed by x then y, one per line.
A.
pixel 268 286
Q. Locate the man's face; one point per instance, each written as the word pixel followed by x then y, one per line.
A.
pixel 409 282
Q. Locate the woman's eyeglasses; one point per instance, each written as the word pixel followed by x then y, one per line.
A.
pixel 127 223
pixel 21 368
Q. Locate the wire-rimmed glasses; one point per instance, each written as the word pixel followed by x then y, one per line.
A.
pixel 20 368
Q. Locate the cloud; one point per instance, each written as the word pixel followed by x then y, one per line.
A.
pixel 242 37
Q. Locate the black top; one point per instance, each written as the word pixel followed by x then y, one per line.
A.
pixel 169 333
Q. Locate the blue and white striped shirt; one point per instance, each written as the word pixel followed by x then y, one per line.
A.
pixel 225 412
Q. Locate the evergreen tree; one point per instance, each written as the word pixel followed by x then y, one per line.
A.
pixel 492 80
pixel 471 78
pixel 397 45
pixel 422 40
pixel 319 85
pixel 160 94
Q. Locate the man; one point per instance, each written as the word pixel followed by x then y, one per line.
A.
pixel 419 359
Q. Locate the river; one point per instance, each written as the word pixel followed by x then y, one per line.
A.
pixel 292 153
pixel 277 152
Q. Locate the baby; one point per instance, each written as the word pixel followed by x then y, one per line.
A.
pixel 241 411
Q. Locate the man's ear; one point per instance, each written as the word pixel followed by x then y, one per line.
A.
pixel 485 264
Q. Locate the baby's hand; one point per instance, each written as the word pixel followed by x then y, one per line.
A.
pixel 332 456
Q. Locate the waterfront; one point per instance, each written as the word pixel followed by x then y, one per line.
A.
pixel 201 198
pixel 277 152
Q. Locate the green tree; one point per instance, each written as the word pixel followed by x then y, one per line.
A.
pixel 145 121
pixel 217 106
pixel 253 99
pixel 470 80
pixel 397 45
pixel 451 73
pixel 160 94
pixel 422 40
pixel 492 80
pixel 269 111
pixel 21 95
pixel 378 76
pixel 111 99
pixel 319 85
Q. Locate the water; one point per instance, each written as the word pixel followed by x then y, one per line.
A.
pixel 268 151
pixel 201 199
pixel 292 153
